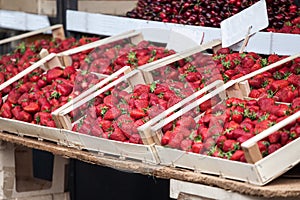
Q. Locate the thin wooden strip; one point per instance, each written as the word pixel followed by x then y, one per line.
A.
pixel 29 34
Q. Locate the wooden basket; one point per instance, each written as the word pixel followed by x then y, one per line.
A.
pixel 258 170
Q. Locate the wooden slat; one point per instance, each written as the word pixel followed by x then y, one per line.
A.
pixel 56 31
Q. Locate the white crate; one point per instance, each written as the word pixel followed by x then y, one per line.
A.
pixel 16 175
pixel 261 42
pixel 258 170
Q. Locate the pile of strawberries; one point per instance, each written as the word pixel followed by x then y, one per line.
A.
pixel 33 98
pixel 26 54
pixel 224 127
pixel 281 83
pixel 111 57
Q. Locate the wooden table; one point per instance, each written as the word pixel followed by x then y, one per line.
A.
pixel 280 188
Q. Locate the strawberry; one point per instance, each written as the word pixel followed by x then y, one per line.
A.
pixel 112 113
pixel 274 137
pixel 137 113
pixel 13 96
pixel 230 145
pixel 175 139
pixel 141 88
pixel 282 110
pixel 68 71
pixel 135 138
pixel 237 155
pixel 96 131
pixel 64 89
pixel 273 147
pixel 166 138
pixel 197 147
pixel 141 104
pixel 16 112
pixel 32 107
pixel 278 84
pixel 186 122
pixel 284 137
pixel 186 145
pixel 54 73
pixel 117 135
pixel 25 116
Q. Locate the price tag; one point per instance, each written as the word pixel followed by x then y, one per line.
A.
pixel 245 23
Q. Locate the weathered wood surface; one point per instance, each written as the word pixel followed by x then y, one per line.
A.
pixel 281 187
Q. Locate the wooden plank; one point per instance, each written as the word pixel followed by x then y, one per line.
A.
pixel 57 31
pixel 280 188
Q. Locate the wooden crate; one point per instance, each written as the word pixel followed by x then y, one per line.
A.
pixel 48 7
pixel 17 179
pixel 141 152
pixel 257 170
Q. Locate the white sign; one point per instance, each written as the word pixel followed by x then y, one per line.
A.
pixel 246 22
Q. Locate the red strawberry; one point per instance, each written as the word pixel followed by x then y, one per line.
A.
pixel 284 138
pixel 166 138
pixel 54 73
pixel 106 125
pixel 32 107
pixel 25 116
pixel 137 113
pixel 273 147
pixel 186 122
pixel 237 155
pixel 230 145
pixel 96 131
pixel 68 71
pixel 112 113
pixel 117 135
pixel 136 139
pixel 197 147
pixel 141 104
pixel 141 88
pixel 186 145
pixel 16 112
pixel 64 89
pixel 274 137
pixel 13 96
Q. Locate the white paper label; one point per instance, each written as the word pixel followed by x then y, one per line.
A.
pixel 236 28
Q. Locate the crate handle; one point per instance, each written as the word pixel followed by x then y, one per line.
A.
pixel 250 146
